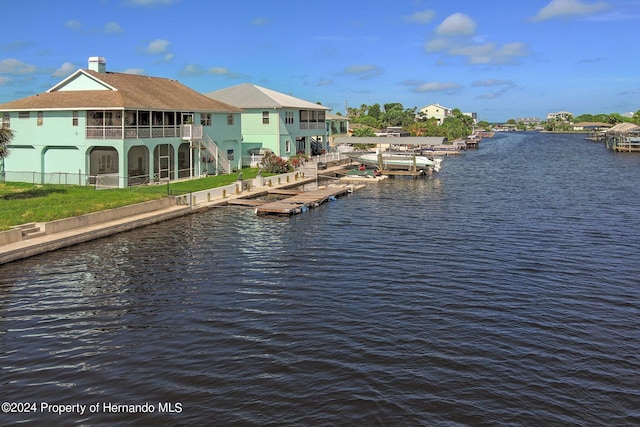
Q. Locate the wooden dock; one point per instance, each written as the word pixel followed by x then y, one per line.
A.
pixel 303 201
pixel 285 191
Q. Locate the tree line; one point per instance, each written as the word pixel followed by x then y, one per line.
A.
pixel 455 126
pixel 567 124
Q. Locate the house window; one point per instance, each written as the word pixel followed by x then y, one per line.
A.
pixel 40 118
pixel 6 120
pixel 287 146
pixel 205 119
pixel 288 117
pixel 157 118
pixel 105 163
pixel 230 119
pixel 230 154
pixel 143 118
pixel 23 115
pixel 74 119
pixel 96 118
pixel 265 117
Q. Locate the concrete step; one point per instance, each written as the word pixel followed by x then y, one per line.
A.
pixel 33 234
pixel 30 230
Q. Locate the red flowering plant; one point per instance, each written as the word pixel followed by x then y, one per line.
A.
pixel 299 159
pixel 275 164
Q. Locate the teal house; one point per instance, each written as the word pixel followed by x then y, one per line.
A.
pixel 276 122
pixel 117 129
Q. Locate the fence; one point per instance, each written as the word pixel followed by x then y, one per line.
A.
pixel 61 178
pixel 116 181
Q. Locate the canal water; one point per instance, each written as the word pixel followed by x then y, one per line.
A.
pixel 503 291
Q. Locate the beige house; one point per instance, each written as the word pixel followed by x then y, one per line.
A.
pixel 435 111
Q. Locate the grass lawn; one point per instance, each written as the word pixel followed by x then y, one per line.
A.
pixel 21 203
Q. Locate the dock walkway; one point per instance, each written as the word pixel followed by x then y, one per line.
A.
pixel 303 201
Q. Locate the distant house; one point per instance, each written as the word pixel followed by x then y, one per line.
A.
pixel 593 126
pixel 392 131
pixel 474 116
pixel 564 116
pixel 528 120
pixel 436 111
pixel 118 128
pixel 272 120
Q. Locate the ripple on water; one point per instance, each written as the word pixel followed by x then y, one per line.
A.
pixel 499 292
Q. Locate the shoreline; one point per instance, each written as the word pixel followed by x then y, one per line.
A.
pixel 74 230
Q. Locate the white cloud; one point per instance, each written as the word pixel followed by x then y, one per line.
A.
pixel 192 70
pixel 363 71
pixel 501 87
pixel 109 28
pixel 66 69
pixel 225 72
pixel 4 80
pixel 14 66
pixel 74 25
pixel 423 17
pixel 492 82
pixel 158 46
pixel 568 8
pixel 113 27
pixel 456 24
pixel 136 71
pixel 259 22
pixel 437 87
pixel 438 44
pixel 489 53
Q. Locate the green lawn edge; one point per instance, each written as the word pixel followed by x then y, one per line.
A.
pixel 22 203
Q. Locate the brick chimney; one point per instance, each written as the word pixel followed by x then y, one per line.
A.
pixel 98 64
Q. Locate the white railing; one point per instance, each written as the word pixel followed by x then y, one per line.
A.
pixel 312 125
pixel 191 132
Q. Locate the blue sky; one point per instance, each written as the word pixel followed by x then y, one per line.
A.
pixel 502 59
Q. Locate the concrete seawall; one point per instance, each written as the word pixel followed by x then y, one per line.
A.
pixel 16 244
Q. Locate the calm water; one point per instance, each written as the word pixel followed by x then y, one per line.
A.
pixel 504 291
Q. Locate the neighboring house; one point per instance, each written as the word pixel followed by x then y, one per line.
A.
pixel 131 129
pixel 338 126
pixel 474 116
pixel 564 116
pixel 593 126
pixel 272 120
pixel 436 111
pixel 393 131
pixel 528 120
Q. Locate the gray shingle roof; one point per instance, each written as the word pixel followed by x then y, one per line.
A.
pixel 248 95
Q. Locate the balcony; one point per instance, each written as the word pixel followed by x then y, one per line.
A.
pixel 191 132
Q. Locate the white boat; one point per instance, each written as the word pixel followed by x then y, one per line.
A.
pixel 397 160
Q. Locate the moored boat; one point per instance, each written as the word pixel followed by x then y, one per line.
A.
pixel 397 160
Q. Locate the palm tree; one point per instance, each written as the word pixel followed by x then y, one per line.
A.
pixel 6 135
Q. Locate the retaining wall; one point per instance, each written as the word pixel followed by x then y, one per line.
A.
pixel 105 216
